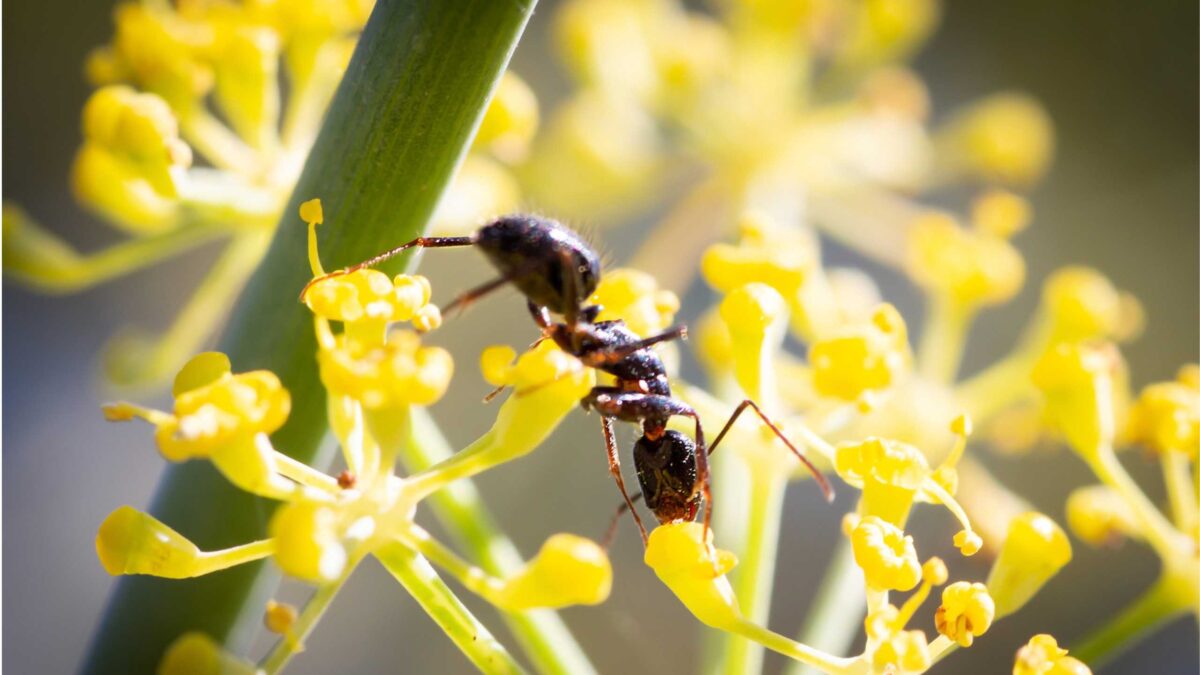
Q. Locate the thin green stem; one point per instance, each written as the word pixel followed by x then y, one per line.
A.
pixel 212 561
pixel 942 339
pixel 289 645
pixel 1180 491
pixel 305 474
pixel 1167 599
pixel 428 589
pixel 755 574
pixel 42 260
pixel 543 636
pixel 1154 526
pixel 837 613
pixel 815 658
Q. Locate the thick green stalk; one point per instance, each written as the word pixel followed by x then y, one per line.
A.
pixel 397 128
pixel 544 637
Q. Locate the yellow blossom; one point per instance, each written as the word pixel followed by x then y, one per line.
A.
pixel 905 652
pixel 966 612
pixel 1166 418
pixel 971 268
pixel 885 555
pixel 1034 550
pixel 195 653
pixel 568 570
pixel 695 572
pixel 766 253
pixel 510 120
pixel 753 315
pixel 1005 137
pixel 308 542
pixel 1042 656
pixel 1083 304
pixel 1000 213
pixel 859 360
pixel 1077 382
pixel 400 372
pixel 1099 516
pixel 131 161
pixel 132 542
pixel 635 298
pixel 279 617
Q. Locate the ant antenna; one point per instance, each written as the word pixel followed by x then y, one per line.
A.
pixel 826 488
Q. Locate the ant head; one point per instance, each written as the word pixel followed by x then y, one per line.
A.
pixel 666 470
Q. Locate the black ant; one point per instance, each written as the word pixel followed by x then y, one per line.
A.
pixel 557 272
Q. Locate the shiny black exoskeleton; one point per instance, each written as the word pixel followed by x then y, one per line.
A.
pixel 557 272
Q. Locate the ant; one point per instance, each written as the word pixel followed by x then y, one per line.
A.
pixel 557 272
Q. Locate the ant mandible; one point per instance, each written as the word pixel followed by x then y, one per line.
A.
pixel 557 272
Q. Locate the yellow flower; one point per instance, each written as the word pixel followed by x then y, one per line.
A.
pixel 1077 382
pixel 132 542
pixel 1099 516
pixel 905 652
pixel 1034 550
pixel 635 298
pixel 1005 137
pixel 197 654
pixel 861 359
pixel 767 253
pixel 695 572
pixel 308 541
pixel 966 612
pixel 1084 305
pixel 510 121
pixel 132 160
pixel 400 372
pixel 969 267
pixel 1166 418
pixel 568 570
pixel 885 554
pixel 1042 656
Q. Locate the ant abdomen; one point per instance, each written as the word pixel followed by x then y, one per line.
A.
pixel 551 265
pixel 666 470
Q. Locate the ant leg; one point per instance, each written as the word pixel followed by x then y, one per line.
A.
pixel 419 242
pixel 702 472
pixel 609 356
pixel 826 488
pixel 614 467
pixel 611 533
pixel 464 300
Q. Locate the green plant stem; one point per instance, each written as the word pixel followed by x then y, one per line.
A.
pixel 755 574
pixel 837 613
pixel 1167 599
pixel 397 128
pixel 543 636
pixel 428 589
pixel 288 646
pixel 942 339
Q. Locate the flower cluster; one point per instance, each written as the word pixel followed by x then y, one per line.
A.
pixel 199 127
pixel 377 378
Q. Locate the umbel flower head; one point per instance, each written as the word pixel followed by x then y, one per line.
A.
pixel 375 378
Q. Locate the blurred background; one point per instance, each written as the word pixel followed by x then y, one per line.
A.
pixel 1120 83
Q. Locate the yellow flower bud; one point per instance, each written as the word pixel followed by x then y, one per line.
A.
pixel 1077 382
pixel 510 121
pixel 608 43
pixel 368 295
pixel 885 554
pixel 1001 213
pixel 197 654
pixel 885 30
pixel 695 572
pixel 934 572
pixel 861 359
pixel 906 652
pixel 568 570
pixel 970 268
pixel 1042 656
pixel 753 314
pixel 1166 418
pixel 311 212
pixel 766 253
pixel 1006 138
pixel 400 372
pixel 1034 550
pixel 203 369
pixel 1099 516
pixel 966 612
pixel 279 617
pixel 128 166
pixel 968 542
pixel 1083 305
pixel 308 542
pixel 635 298
pixel 133 542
